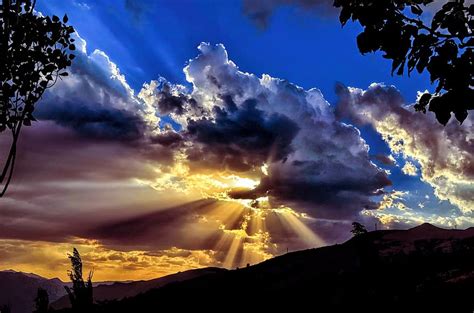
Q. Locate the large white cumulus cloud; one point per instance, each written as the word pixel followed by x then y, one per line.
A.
pixel 236 121
pixel 445 154
pixel 96 100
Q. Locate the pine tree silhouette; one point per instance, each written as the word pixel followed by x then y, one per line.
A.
pixel 80 295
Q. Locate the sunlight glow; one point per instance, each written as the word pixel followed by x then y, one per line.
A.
pixel 264 169
pixel 293 220
pixel 241 182
pixel 245 234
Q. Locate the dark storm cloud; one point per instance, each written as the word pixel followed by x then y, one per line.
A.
pixel 173 101
pixel 66 182
pixel 168 99
pixel 93 119
pixel 95 100
pixel 315 163
pixel 261 11
pixel 173 226
pixel 242 137
pixel 168 138
pixel 313 188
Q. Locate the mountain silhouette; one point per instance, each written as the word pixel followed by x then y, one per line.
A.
pixel 423 269
pixel 18 290
pixel 120 290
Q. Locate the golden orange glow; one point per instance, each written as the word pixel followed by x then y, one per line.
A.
pixel 264 169
pixel 194 183
pixel 293 220
pixel 243 235
pixel 251 242
pixel 239 228
pixel 50 260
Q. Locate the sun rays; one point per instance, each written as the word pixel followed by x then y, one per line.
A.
pixel 247 232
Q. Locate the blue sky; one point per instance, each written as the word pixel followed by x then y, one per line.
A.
pixel 307 50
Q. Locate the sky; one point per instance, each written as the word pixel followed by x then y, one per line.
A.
pixel 222 133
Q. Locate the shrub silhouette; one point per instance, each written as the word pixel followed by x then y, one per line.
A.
pixel 35 52
pixel 80 295
pixel 42 301
pixel 443 47
pixel 358 229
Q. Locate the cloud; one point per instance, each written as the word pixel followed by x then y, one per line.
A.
pixel 136 8
pixel 245 122
pixel 168 98
pixel 445 154
pixel 96 101
pixel 385 159
pixel 395 214
pixel 93 143
pixel 261 11
pixel 50 259
pixel 437 4
pixel 241 138
pixel 81 5
pixel 409 169
pixel 94 121
pixel 196 226
pixel 103 164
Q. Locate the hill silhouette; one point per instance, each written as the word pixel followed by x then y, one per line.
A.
pixel 120 290
pixel 424 269
pixel 18 289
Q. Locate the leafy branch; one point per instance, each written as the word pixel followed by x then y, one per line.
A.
pixel 35 51
pixel 444 48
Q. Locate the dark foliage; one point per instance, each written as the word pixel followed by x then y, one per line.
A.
pixel 80 295
pixel 35 52
pixel 42 301
pixel 443 47
pixel 358 229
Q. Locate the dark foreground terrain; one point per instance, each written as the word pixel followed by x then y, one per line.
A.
pixel 424 269
pixel 18 290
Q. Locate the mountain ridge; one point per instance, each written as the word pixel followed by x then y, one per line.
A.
pixel 18 289
pixel 423 269
pixel 120 290
pixel 344 269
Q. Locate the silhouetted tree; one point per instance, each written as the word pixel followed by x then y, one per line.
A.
pixel 443 47
pixel 358 229
pixel 35 51
pixel 42 301
pixel 80 295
